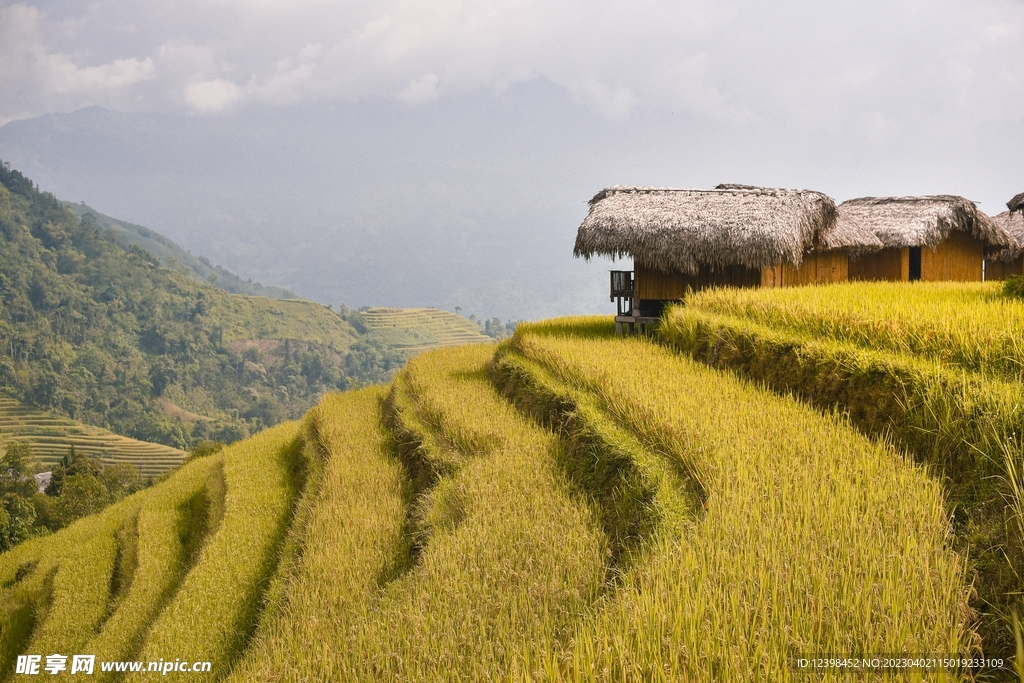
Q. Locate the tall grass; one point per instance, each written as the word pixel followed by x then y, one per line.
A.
pixel 814 539
pixel 212 615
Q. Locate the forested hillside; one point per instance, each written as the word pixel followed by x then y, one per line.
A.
pixel 174 257
pixel 101 333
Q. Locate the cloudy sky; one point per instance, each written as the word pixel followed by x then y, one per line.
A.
pixel 518 110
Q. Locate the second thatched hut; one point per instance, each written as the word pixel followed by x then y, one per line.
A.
pixel 681 240
pixel 1009 261
pixel 940 237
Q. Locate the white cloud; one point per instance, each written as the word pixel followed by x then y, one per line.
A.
pixel 613 102
pixel 64 76
pixel 212 96
pixel 1001 32
pixel 420 90
pixel 733 61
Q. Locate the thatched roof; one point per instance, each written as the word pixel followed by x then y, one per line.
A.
pixel 1016 204
pixel 681 230
pixel 921 221
pixel 1013 223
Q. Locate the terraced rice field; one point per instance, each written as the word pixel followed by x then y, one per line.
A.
pixel 414 330
pixel 936 367
pixel 51 436
pixel 174 571
pixel 565 506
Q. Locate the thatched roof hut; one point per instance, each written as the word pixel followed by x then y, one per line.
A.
pixel 1012 223
pixel 678 230
pixel 921 221
pixel 1016 204
pixel 940 237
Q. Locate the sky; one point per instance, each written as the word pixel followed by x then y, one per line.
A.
pixel 432 153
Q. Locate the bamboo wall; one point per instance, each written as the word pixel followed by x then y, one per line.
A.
pixel 997 270
pixel 651 283
pixel 816 268
pixel 958 258
pixel 887 264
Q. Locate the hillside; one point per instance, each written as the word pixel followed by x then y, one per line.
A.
pixel 51 436
pixel 174 257
pixel 100 333
pixel 540 509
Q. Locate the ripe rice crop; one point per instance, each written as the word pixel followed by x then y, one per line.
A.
pixel 933 365
pixel 506 556
pixel 350 532
pixel 162 533
pixel 55 589
pixel 814 539
pixel 971 325
pixel 214 610
pixel 638 495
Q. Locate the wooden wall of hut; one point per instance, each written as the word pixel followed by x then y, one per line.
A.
pixel 959 258
pixel 651 283
pixel 887 264
pixel 816 268
pixel 1000 270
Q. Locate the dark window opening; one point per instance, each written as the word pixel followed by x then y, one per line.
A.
pixel 915 263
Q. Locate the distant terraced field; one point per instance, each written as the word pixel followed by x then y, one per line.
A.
pixel 51 436
pixel 420 329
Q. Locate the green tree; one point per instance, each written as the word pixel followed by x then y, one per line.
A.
pixel 81 495
pixel 121 479
pixel 17 516
pixel 16 460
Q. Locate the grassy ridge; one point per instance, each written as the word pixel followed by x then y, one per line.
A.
pixel 56 588
pixel 166 536
pixel 257 317
pixel 412 330
pixel 638 495
pixel 176 570
pixel 506 556
pixel 773 569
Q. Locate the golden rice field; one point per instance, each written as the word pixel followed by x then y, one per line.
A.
pixel 933 366
pixel 565 506
pixel 51 436
pixel 968 324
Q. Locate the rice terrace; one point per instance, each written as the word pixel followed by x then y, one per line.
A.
pixel 540 509
pixel 795 473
